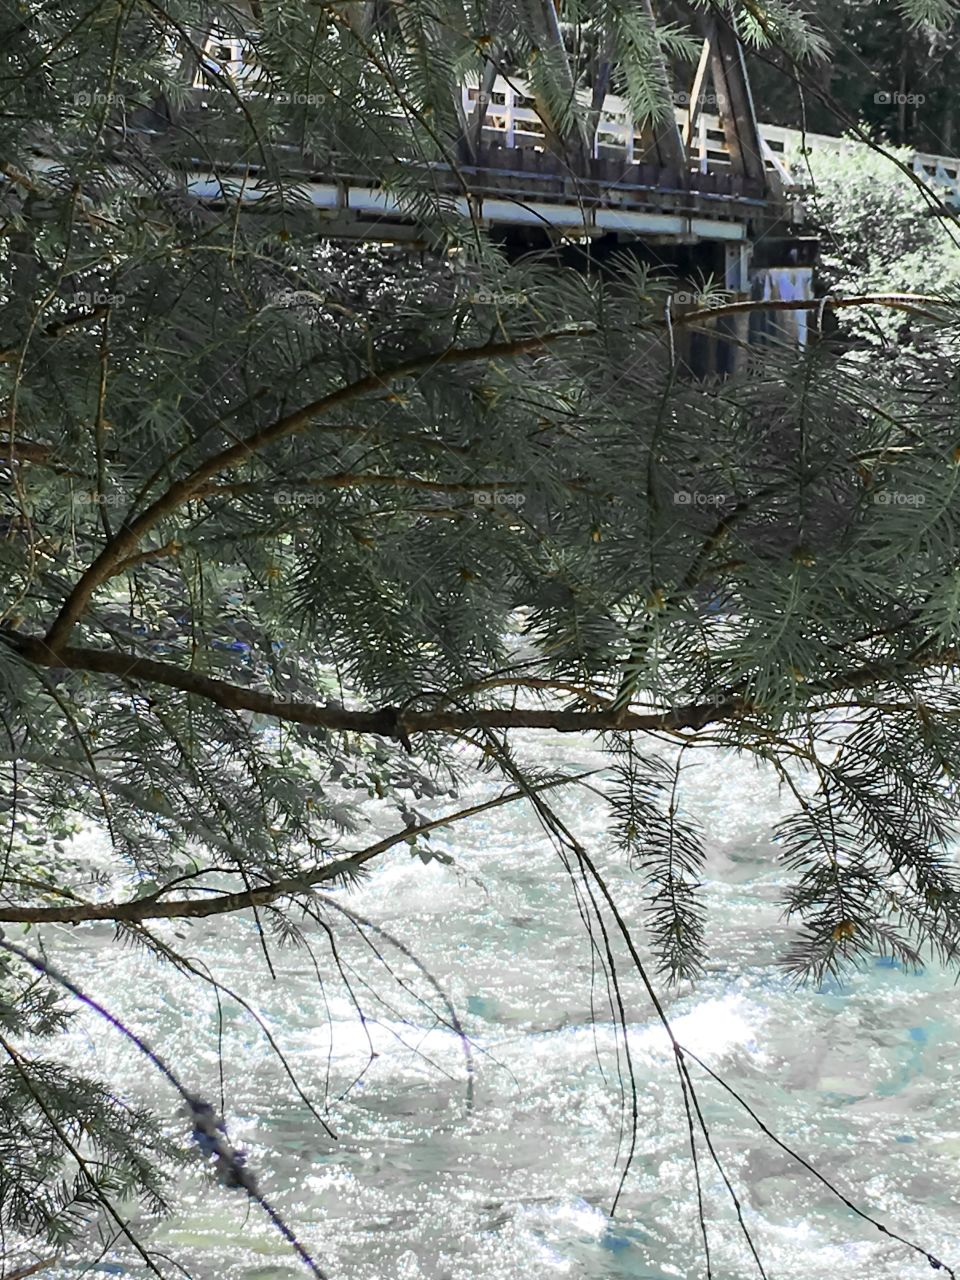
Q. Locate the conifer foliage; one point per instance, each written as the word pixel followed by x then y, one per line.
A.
pixel 283 516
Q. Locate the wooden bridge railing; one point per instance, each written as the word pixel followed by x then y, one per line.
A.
pixel 784 148
pixel 512 123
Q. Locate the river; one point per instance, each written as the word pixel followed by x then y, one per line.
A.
pixel 860 1079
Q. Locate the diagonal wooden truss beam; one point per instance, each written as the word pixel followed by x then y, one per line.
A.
pixel 473 134
pixel 667 138
pixel 541 24
pixel 695 104
pixel 723 57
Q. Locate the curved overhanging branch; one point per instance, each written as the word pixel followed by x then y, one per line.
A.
pixel 151 908
pixel 124 545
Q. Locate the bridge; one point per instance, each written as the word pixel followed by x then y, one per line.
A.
pixel 704 195
pixel 516 178
pixel 725 168
pixel 533 179
pixel 520 170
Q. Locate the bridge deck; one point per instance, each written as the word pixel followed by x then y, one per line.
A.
pixel 523 184
pixel 514 179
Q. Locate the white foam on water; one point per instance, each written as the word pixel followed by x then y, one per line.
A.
pixel 418 1187
pixel 710 1030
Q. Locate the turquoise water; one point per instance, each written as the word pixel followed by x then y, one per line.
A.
pixel 420 1184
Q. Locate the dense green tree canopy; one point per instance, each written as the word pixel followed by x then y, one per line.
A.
pixel 892 69
pixel 880 230
pixel 285 518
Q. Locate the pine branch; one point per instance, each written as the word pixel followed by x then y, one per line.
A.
pixel 19 450
pixel 22 1272
pixel 150 908
pixel 75 320
pixel 914 303
pixel 125 543
pixel 372 480
pixel 386 722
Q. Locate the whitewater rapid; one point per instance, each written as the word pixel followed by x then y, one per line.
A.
pixel 421 1185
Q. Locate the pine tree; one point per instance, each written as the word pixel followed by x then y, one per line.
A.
pixel 284 516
